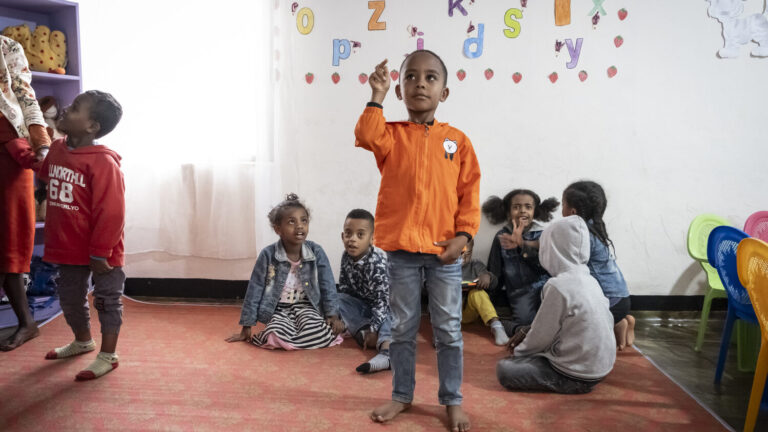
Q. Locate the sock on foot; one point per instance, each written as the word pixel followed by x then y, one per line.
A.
pixel 499 335
pixel 72 349
pixel 379 362
pixel 105 362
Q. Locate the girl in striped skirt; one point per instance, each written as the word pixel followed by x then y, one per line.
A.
pixel 292 289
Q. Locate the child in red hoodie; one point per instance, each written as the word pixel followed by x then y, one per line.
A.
pixel 84 226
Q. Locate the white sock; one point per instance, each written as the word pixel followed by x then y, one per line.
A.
pixel 379 362
pixel 105 362
pixel 499 335
pixel 74 348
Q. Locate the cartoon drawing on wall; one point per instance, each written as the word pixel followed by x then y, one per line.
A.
pixel 523 3
pixel 488 73
pixel 471 28
pixel 618 41
pixel 460 74
pixel 363 78
pixel 595 20
pixel 739 30
pixel 622 14
pixel 335 77
pixel 516 77
pixel 558 45
pixel 562 12
pixel 553 77
pixel 597 8
pixel 412 30
pixel 309 77
pixel 356 45
pixel 583 75
pixel 294 7
pixel 612 71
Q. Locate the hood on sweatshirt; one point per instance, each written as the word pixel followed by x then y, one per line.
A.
pixel 95 149
pixel 564 246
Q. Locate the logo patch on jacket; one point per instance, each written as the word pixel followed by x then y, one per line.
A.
pixel 450 148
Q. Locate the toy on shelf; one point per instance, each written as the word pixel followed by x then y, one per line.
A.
pixel 50 108
pixel 46 50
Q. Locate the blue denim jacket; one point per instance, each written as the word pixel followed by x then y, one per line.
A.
pixel 268 279
pixel 602 266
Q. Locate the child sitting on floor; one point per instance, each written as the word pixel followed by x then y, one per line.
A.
pixel 514 256
pixel 478 303
pixel 364 290
pixel 292 288
pixel 587 199
pixel 569 348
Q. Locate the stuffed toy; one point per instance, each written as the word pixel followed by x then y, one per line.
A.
pixel 46 51
pixel 50 109
pixel 21 34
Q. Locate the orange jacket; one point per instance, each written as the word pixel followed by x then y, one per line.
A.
pixel 430 182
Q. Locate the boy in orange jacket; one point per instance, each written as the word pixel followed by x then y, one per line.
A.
pixel 84 226
pixel 428 209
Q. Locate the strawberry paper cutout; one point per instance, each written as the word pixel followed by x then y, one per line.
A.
pixel 335 78
pixel 488 73
pixel 612 71
pixel 553 77
pixel 309 77
pixel 618 41
pixel 461 74
pixel 583 75
pixel 622 14
pixel 394 75
pixel 516 77
pixel 363 78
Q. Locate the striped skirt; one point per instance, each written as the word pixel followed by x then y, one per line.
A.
pixel 296 326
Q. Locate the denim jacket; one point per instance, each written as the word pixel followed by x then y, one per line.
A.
pixel 602 266
pixel 268 279
pixel 517 269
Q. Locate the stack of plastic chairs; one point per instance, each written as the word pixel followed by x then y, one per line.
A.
pixel 752 264
pixel 698 236
pixel 721 251
pixel 757 225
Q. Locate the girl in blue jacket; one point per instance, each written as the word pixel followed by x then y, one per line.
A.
pixel 292 289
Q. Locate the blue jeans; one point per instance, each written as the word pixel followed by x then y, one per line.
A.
pixel 443 283
pixel 356 314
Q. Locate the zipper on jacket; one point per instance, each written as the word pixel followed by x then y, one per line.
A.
pixel 426 130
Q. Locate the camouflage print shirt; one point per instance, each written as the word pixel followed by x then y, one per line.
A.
pixel 368 280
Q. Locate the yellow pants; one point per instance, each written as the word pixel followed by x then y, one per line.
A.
pixel 478 306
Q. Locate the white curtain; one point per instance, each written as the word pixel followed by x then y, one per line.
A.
pixel 196 80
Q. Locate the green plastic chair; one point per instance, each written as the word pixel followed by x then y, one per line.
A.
pixel 698 236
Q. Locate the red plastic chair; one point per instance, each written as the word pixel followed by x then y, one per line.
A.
pixel 757 225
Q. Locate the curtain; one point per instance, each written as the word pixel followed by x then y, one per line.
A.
pixel 197 83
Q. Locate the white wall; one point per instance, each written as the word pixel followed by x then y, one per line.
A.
pixel 674 134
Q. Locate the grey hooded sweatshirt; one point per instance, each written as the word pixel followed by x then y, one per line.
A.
pixel 574 327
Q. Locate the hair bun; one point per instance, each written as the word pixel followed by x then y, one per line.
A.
pixel 291 197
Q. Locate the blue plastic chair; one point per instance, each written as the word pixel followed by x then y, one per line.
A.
pixel 721 254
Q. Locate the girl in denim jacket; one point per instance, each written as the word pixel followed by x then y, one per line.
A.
pixel 587 199
pixel 292 289
pixel 514 256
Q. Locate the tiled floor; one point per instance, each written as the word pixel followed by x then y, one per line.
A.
pixel 668 338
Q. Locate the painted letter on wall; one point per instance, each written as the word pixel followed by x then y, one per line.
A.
pixel 562 12
pixel 378 9
pixel 574 52
pixel 512 23
pixel 456 4
pixel 341 50
pixel 305 28
pixel 478 41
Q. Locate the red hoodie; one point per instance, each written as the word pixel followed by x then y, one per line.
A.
pixel 86 205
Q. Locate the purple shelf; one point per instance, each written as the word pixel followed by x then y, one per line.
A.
pixel 57 15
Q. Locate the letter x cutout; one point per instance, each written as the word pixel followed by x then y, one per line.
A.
pixel 598 6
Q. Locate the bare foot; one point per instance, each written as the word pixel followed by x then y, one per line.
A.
pixel 18 338
pixel 388 411
pixel 458 418
pixel 630 330
pixel 620 330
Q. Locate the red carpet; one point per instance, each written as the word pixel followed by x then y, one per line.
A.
pixel 177 373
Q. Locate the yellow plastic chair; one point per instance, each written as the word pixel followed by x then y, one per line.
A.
pixel 698 236
pixel 752 266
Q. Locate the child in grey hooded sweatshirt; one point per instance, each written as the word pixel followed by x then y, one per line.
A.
pixel 570 346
